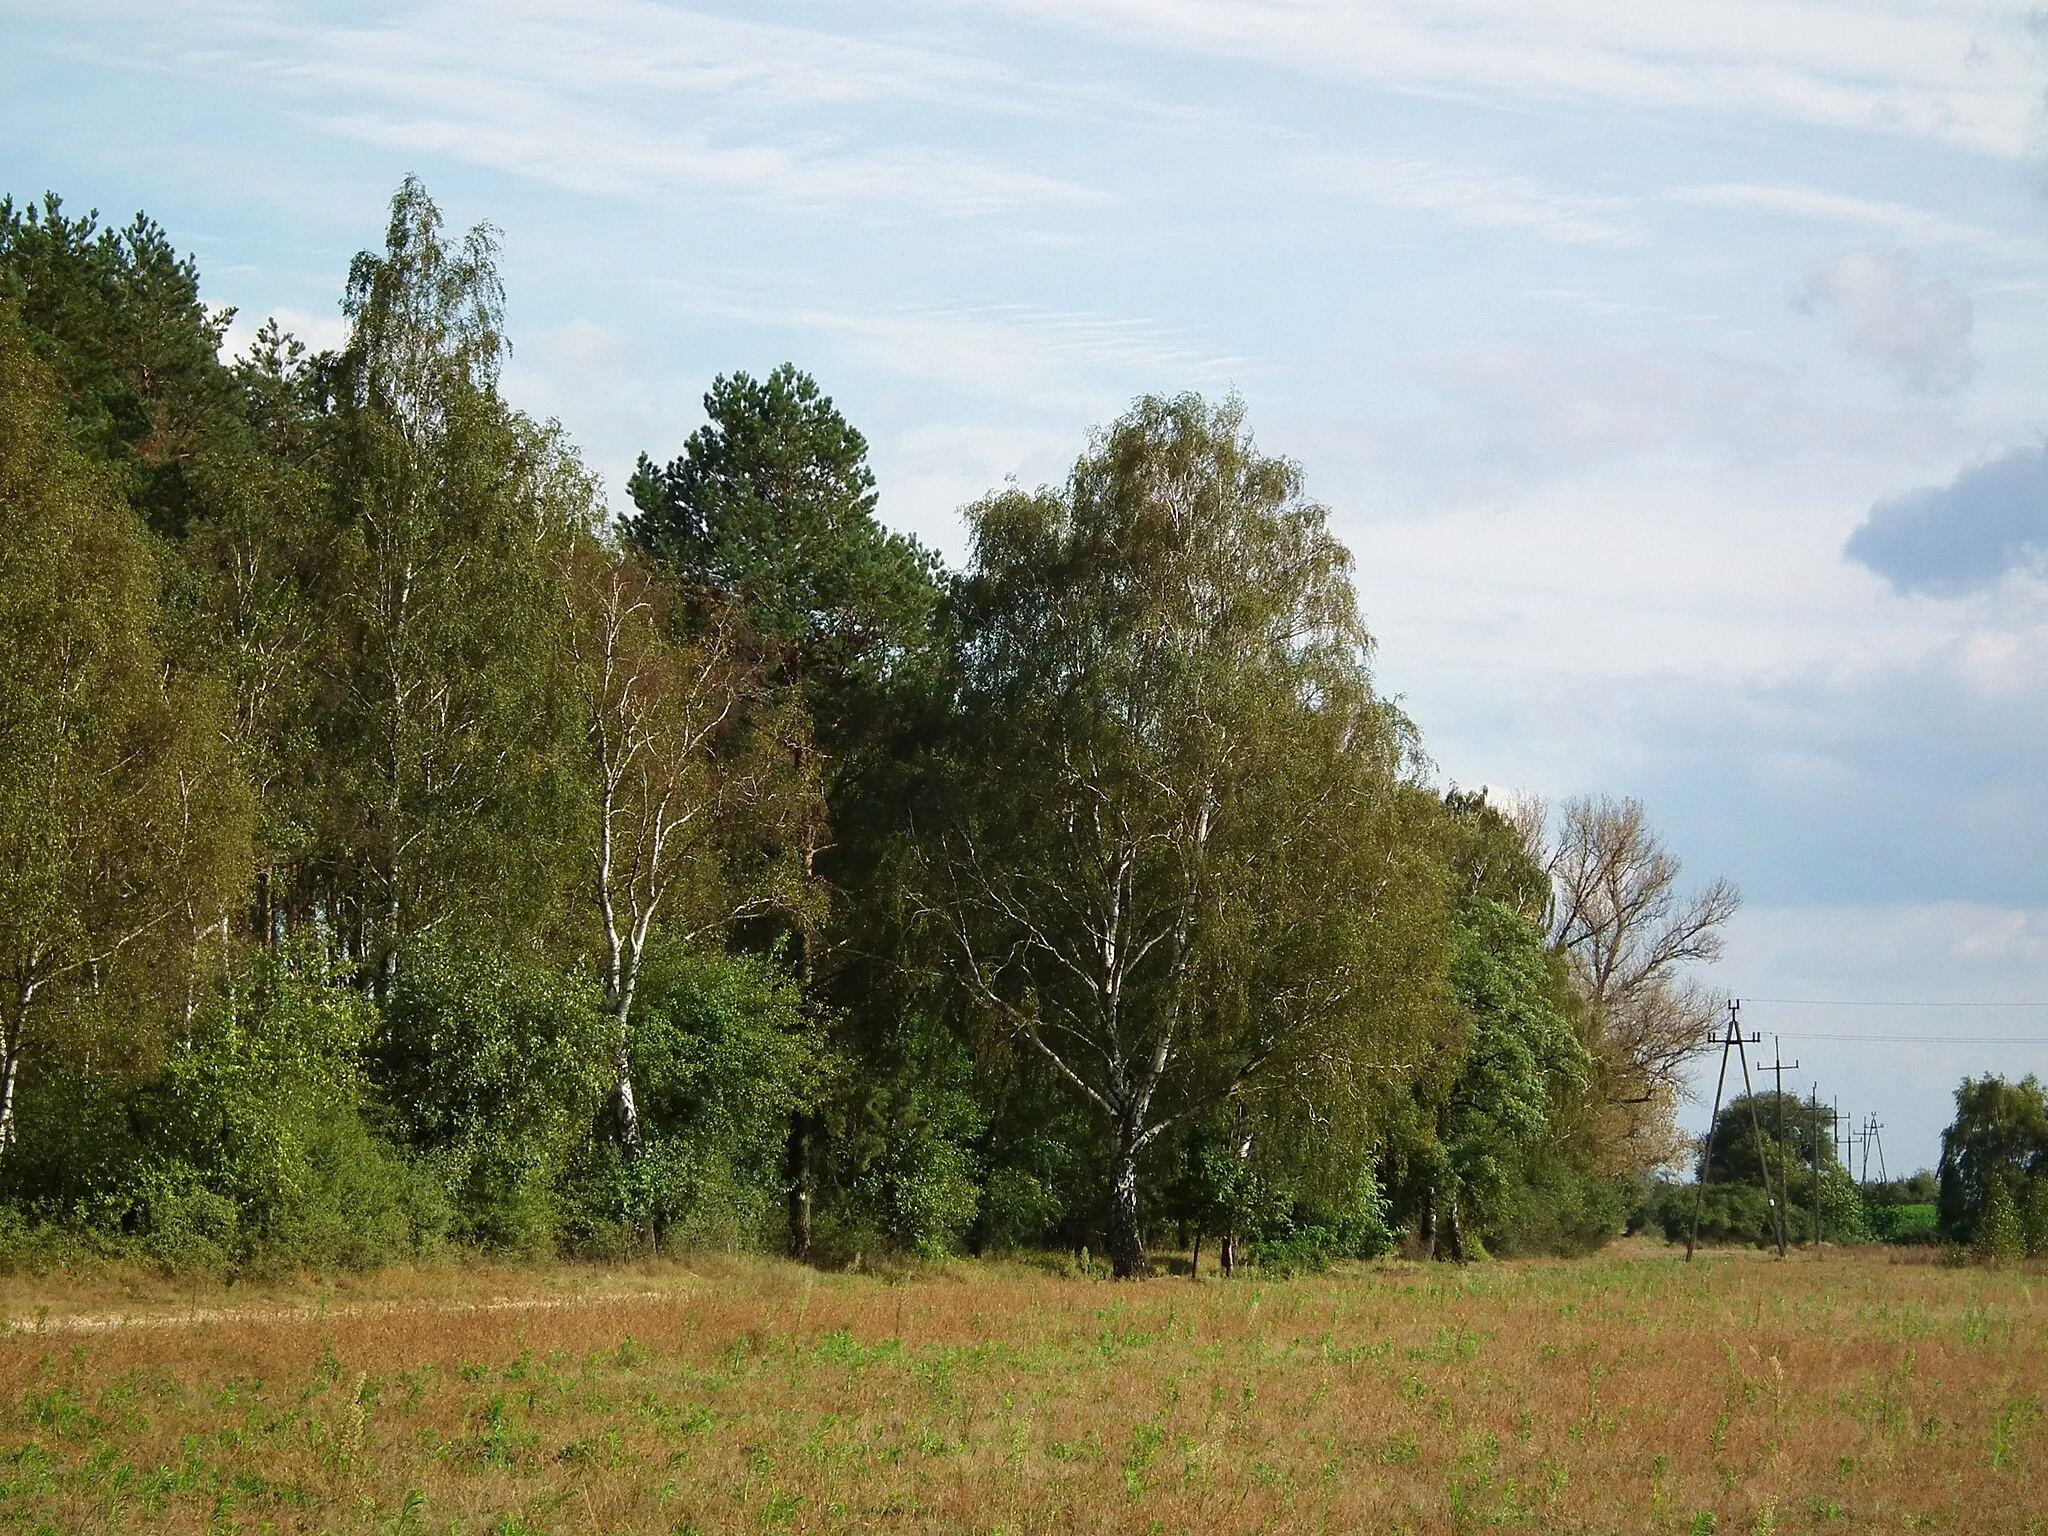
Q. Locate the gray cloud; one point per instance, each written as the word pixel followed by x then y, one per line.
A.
pixel 1919 331
pixel 1961 537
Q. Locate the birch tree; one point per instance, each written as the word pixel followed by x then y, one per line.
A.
pixel 453 514
pixel 1162 880
pixel 686 779
pixel 122 818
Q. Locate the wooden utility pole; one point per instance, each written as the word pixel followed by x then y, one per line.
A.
pixel 1733 1040
pixel 1814 1103
pixel 1781 1143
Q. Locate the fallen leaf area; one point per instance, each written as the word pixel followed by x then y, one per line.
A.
pixel 1632 1393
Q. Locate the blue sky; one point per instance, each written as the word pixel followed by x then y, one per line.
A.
pixel 1676 372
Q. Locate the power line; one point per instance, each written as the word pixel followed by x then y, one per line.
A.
pixel 1791 1034
pixel 1850 1002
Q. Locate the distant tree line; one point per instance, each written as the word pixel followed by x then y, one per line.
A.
pixel 398 850
pixel 1989 1193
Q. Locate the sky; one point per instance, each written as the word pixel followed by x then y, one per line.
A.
pixel 1676 373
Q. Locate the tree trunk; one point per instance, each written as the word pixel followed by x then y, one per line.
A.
pixel 1226 1252
pixel 798 1170
pixel 387 963
pixel 625 1106
pixel 1195 1265
pixel 1426 1228
pixel 10 1066
pixel 1454 1232
pixel 1126 1241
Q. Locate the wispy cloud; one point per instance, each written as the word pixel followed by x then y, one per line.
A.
pixel 1915 225
pixel 627 159
pixel 632 99
pixel 1944 74
pixel 1476 196
pixel 1034 357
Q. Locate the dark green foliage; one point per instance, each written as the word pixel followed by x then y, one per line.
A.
pixel 265 1108
pixel 392 852
pixel 1921 1188
pixel 1907 1225
pixel 1492 1151
pixel 251 1142
pixel 495 1062
pixel 1788 1140
pixel 1520 1055
pixel 1557 1206
pixel 1999 1139
pixel 1296 1235
pixel 770 508
pixel 117 315
pixel 723 1049
pixel 1728 1213
pixel 1740 1212
pixel 903 1158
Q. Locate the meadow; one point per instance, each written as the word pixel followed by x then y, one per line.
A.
pixel 1875 1390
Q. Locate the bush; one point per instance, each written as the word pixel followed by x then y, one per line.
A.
pixel 2034 1215
pixel 1728 1214
pixel 723 1051
pixel 499 1062
pixel 250 1143
pixel 1906 1225
pixel 1017 1210
pixel 1559 1209
pixel 905 1175
pixel 1305 1236
pixel 2001 1237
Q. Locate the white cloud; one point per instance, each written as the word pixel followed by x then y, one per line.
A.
pixel 1031 357
pixel 1475 196
pixel 588 153
pixel 1919 331
pixel 1943 73
pixel 1907 223
pixel 629 99
pixel 319 332
pixel 2005 936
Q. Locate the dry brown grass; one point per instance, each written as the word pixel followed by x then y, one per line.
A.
pixel 1630 1393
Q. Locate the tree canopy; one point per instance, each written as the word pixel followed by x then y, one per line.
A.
pixel 398 848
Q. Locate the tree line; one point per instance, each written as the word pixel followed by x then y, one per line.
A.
pixel 398 849
pixel 1777 1171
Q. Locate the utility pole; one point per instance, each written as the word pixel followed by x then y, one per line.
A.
pixel 1813 1102
pixel 1781 1143
pixel 1733 1040
pixel 1876 1140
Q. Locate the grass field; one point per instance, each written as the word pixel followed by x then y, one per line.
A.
pixel 1631 1393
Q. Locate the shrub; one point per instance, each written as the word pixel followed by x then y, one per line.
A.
pixel 1304 1236
pixel 2000 1236
pixel 905 1174
pixel 250 1142
pixel 1910 1225
pixel 723 1050
pixel 2034 1215
pixel 1017 1210
pixel 1728 1214
pixel 1558 1208
pixel 499 1062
